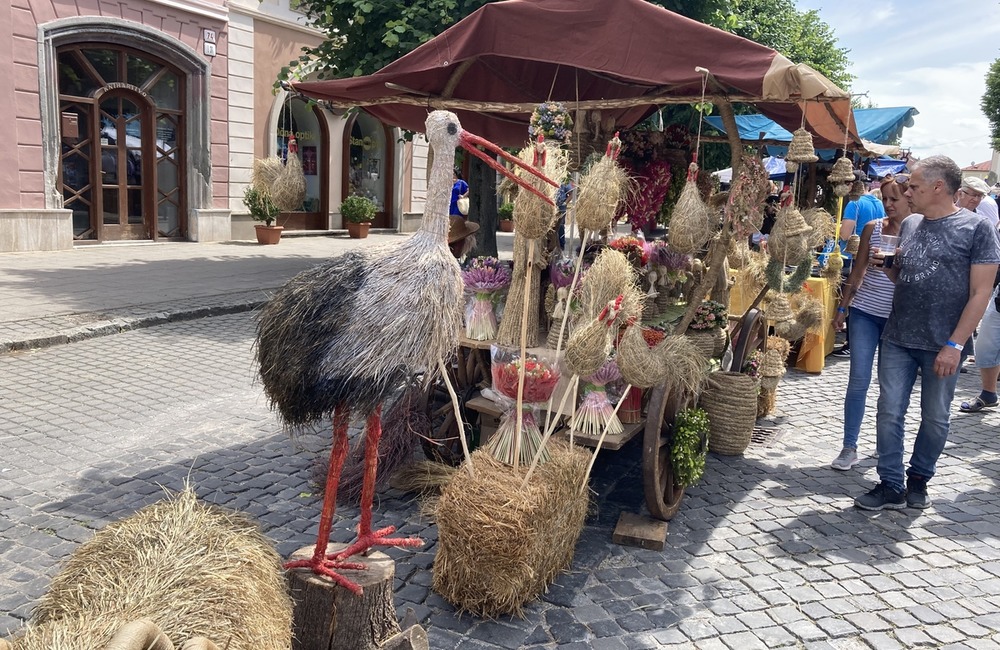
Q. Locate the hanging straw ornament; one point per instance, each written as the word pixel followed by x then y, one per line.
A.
pixel 288 190
pixel 801 149
pixel 853 244
pixel 822 226
pixel 601 190
pixel 691 224
pixel 789 240
pixel 779 310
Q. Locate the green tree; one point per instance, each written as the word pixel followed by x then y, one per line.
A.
pixel 991 102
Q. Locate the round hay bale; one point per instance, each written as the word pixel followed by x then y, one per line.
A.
pixel 191 568
pixel 499 544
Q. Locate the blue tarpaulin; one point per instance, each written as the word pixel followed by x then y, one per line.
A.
pixel 774 166
pixel 879 125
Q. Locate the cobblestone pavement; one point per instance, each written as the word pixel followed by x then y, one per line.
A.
pixel 767 551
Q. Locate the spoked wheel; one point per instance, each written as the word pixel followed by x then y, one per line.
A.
pixel 749 335
pixel 663 494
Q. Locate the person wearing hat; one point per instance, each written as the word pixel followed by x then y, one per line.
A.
pixel 974 195
pixel 461 236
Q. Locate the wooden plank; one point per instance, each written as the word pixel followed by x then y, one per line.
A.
pixel 636 530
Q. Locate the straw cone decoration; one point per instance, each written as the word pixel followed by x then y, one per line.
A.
pixel 501 543
pixel 801 149
pixel 842 172
pixel 191 568
pixel 789 239
pixel 691 225
pixel 509 331
pixel 601 190
pixel 779 310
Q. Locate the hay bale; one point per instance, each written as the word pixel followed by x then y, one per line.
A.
pixel 191 568
pixel 500 545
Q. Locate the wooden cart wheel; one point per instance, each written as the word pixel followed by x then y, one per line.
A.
pixel 749 335
pixel 663 494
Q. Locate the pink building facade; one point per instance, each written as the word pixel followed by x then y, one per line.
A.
pixel 141 121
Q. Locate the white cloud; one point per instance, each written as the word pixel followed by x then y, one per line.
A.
pixel 930 55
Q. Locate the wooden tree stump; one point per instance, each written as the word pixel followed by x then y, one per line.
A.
pixel 328 616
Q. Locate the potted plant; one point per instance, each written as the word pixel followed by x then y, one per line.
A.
pixel 358 212
pixel 506 214
pixel 261 208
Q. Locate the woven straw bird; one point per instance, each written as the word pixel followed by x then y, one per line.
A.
pixel 346 335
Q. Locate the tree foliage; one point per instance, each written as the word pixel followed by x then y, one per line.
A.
pixel 991 102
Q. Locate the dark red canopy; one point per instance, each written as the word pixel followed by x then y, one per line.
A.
pixel 623 57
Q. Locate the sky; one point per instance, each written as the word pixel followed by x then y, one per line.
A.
pixel 929 54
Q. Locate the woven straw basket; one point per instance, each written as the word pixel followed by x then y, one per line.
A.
pixel 711 343
pixel 730 399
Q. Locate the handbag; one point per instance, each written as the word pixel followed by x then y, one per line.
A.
pixel 463 205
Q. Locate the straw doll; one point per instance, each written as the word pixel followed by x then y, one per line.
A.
pixel 349 333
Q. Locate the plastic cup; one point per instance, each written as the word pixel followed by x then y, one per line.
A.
pixel 887 246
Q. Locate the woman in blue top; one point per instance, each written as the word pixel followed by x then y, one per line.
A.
pixel 458 190
pixel 868 294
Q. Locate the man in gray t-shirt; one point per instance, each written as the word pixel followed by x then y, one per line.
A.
pixel 943 270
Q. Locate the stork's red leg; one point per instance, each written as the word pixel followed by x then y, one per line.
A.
pixel 319 563
pixel 366 537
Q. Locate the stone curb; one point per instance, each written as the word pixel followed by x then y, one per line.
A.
pixel 105 324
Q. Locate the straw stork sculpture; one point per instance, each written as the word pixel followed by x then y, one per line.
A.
pixel 346 335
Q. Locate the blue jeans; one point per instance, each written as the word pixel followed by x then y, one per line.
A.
pixel 897 373
pixel 864 331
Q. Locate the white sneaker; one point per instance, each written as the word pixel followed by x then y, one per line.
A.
pixel 847 459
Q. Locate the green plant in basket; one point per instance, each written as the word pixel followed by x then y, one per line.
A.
pixel 358 209
pixel 690 445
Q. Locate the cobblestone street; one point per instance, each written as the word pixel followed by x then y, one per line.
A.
pixel 767 551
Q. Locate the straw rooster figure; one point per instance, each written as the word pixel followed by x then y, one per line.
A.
pixel 346 335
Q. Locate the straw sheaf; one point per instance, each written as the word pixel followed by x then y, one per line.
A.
pixel 509 331
pixel 191 568
pixel 288 190
pixel 599 194
pixel 640 366
pixel 500 544
pixel 822 225
pixel 587 348
pixel 691 224
pixel 344 333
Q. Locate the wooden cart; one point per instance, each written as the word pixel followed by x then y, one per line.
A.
pixel 471 372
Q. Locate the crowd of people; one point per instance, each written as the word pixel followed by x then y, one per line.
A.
pixel 923 279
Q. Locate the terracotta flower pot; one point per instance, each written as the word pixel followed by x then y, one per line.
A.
pixel 357 230
pixel 268 234
pixel 506 225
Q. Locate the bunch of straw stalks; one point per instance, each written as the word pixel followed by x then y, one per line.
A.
pixel 600 192
pixel 691 224
pixel 190 568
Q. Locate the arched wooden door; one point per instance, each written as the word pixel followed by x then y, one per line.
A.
pixel 369 151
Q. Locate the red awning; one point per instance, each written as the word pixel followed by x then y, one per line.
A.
pixel 622 57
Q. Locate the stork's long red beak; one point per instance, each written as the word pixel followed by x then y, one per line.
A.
pixel 470 141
